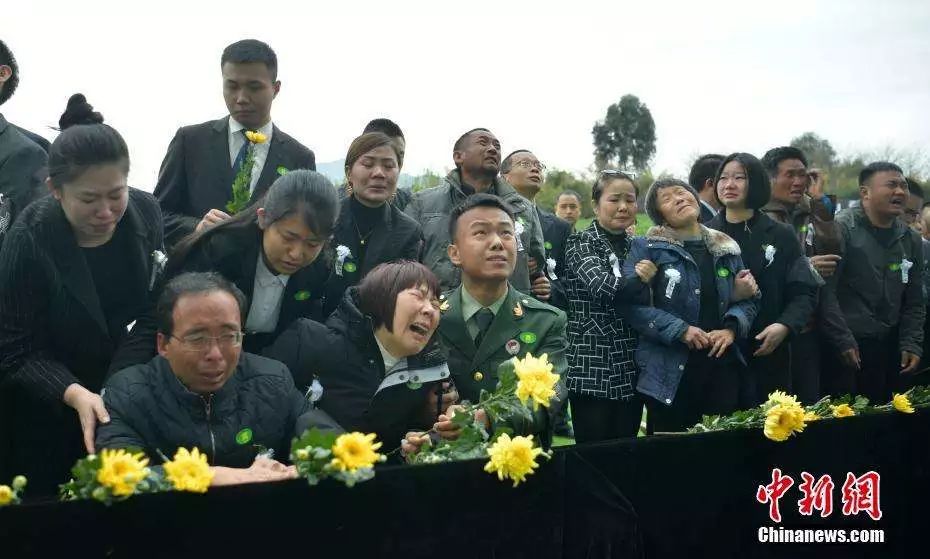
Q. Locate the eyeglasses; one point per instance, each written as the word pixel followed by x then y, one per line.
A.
pixel 202 344
pixel 628 175
pixel 528 164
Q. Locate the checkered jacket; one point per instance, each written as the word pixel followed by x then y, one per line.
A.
pixel 601 345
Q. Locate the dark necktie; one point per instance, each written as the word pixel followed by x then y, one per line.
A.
pixel 483 319
pixel 240 157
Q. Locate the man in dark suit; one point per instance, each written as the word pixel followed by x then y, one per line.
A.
pixel 701 179
pixel 196 177
pixel 23 163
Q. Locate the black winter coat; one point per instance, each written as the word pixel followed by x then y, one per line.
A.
pixel 357 393
pixel 257 407
pixel 395 236
pixel 787 283
pixel 234 254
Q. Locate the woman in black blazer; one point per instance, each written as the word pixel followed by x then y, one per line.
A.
pixel 272 252
pixel 78 275
pixel 370 230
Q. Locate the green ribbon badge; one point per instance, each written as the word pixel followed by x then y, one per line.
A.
pixel 244 436
pixel 803 229
pixel 528 337
pixel 302 295
pixel 282 170
pixel 894 266
pixel 548 245
pixel 723 272
pixel 350 267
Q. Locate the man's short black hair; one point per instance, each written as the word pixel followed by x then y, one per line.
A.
pixel 193 283
pixel 704 169
pixel 568 193
pixel 251 50
pixel 384 125
pixel 876 167
pixel 774 156
pixel 507 162
pixel 7 59
pixel 460 143
pixel 480 200
pixel 914 188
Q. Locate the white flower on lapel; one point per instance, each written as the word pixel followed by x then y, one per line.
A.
pixel 342 252
pixel 769 254
pixel 550 266
pixel 615 264
pixel 674 277
pixel 315 392
pixel 159 261
pixel 906 266
pixel 518 230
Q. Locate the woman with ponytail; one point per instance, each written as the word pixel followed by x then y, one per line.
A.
pixel 271 251
pixel 78 272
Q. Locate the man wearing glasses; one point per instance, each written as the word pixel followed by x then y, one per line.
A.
pixel 202 391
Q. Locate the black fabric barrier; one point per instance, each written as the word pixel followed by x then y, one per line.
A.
pixel 693 496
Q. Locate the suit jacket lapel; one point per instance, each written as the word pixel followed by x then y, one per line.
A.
pixel 452 324
pixel 219 154
pixel 270 170
pixel 75 273
pixel 506 326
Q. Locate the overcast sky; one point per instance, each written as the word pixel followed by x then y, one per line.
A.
pixel 717 76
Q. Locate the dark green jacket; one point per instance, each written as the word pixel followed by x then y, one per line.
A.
pixel 431 209
pixel 522 325
pixel 871 290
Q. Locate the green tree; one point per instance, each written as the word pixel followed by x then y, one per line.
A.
pixel 428 179
pixel 818 150
pixel 626 137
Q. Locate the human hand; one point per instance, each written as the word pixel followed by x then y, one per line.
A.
pixel 826 264
pixel 90 410
pixel 909 362
pixel 771 337
pixel 541 288
pixel 816 185
pixel 212 218
pixel 695 338
pixel 646 270
pixel 532 265
pixel 744 286
pixel 720 340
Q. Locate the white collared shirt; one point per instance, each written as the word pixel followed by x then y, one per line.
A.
pixel 266 299
pixel 237 138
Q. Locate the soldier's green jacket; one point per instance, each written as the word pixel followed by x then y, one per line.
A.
pixel 522 325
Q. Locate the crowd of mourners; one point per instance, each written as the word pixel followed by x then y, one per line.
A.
pixel 156 321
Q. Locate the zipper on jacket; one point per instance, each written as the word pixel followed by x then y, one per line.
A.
pixel 208 406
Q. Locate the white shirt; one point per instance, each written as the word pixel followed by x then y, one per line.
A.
pixel 389 360
pixel 237 138
pixel 266 299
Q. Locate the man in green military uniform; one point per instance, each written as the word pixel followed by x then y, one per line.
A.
pixel 486 321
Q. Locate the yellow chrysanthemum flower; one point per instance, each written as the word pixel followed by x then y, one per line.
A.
pixel 779 397
pixel 843 410
pixel 355 450
pixel 512 458
pixel 902 404
pixel 256 137
pixel 6 495
pixel 810 416
pixel 121 471
pixel 302 454
pixel 189 471
pixel 782 420
pixel 535 379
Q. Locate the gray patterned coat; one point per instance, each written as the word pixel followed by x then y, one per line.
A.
pixel 600 344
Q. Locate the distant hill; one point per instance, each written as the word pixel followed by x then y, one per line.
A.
pixel 335 171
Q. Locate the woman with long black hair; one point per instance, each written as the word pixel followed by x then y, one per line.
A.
pixel 271 251
pixel 78 274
